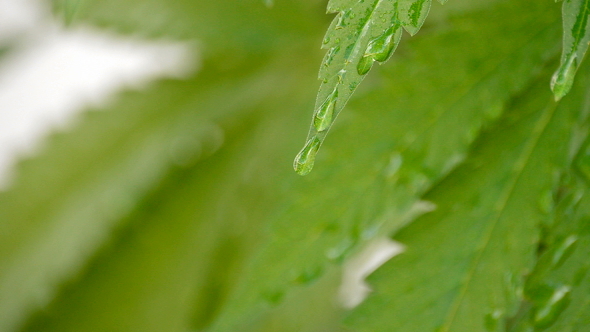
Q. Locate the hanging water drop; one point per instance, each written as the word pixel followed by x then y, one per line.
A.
pixel 364 65
pixel 382 47
pixel 325 114
pixel 306 157
pixel 563 79
pixel 547 312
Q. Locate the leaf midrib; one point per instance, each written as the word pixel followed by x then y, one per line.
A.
pixel 520 165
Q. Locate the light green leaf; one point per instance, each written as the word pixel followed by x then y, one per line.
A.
pixel 361 33
pixel 224 28
pixel 464 264
pixel 67 201
pixel 371 186
pixel 556 291
pixel 173 268
pixel 576 37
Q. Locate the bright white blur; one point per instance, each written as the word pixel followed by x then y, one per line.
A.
pixel 51 73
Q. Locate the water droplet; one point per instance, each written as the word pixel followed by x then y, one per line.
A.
pixel 381 47
pixel 364 65
pixel 563 250
pixel 306 157
pixel 310 275
pixel 493 320
pixel 325 114
pixel 330 55
pixel 563 79
pixel 326 40
pixel 547 312
pixel 341 75
pixel 342 18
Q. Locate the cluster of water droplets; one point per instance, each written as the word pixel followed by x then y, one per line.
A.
pixel 379 48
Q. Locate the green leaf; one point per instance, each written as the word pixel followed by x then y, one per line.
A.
pixel 576 37
pixel 67 201
pixel 172 268
pixel 219 27
pixel 372 186
pixel 361 33
pixel 465 261
pixel 556 291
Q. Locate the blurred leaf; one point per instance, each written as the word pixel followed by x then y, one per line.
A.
pixel 576 36
pixel 67 201
pixel 464 261
pixel 227 26
pixel 556 291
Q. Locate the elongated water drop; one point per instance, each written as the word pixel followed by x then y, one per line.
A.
pixel 306 157
pixel 548 312
pixel 364 65
pixel 330 55
pixel 563 79
pixel 325 114
pixel 382 47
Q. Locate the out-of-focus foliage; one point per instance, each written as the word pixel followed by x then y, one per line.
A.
pixel 177 208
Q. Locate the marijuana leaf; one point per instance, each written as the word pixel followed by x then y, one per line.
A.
pixel 363 32
pixel 464 261
pixel 576 37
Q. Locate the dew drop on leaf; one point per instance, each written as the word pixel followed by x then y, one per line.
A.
pixel 364 65
pixel 330 55
pixel 306 157
pixel 382 46
pixel 563 79
pixel 325 114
